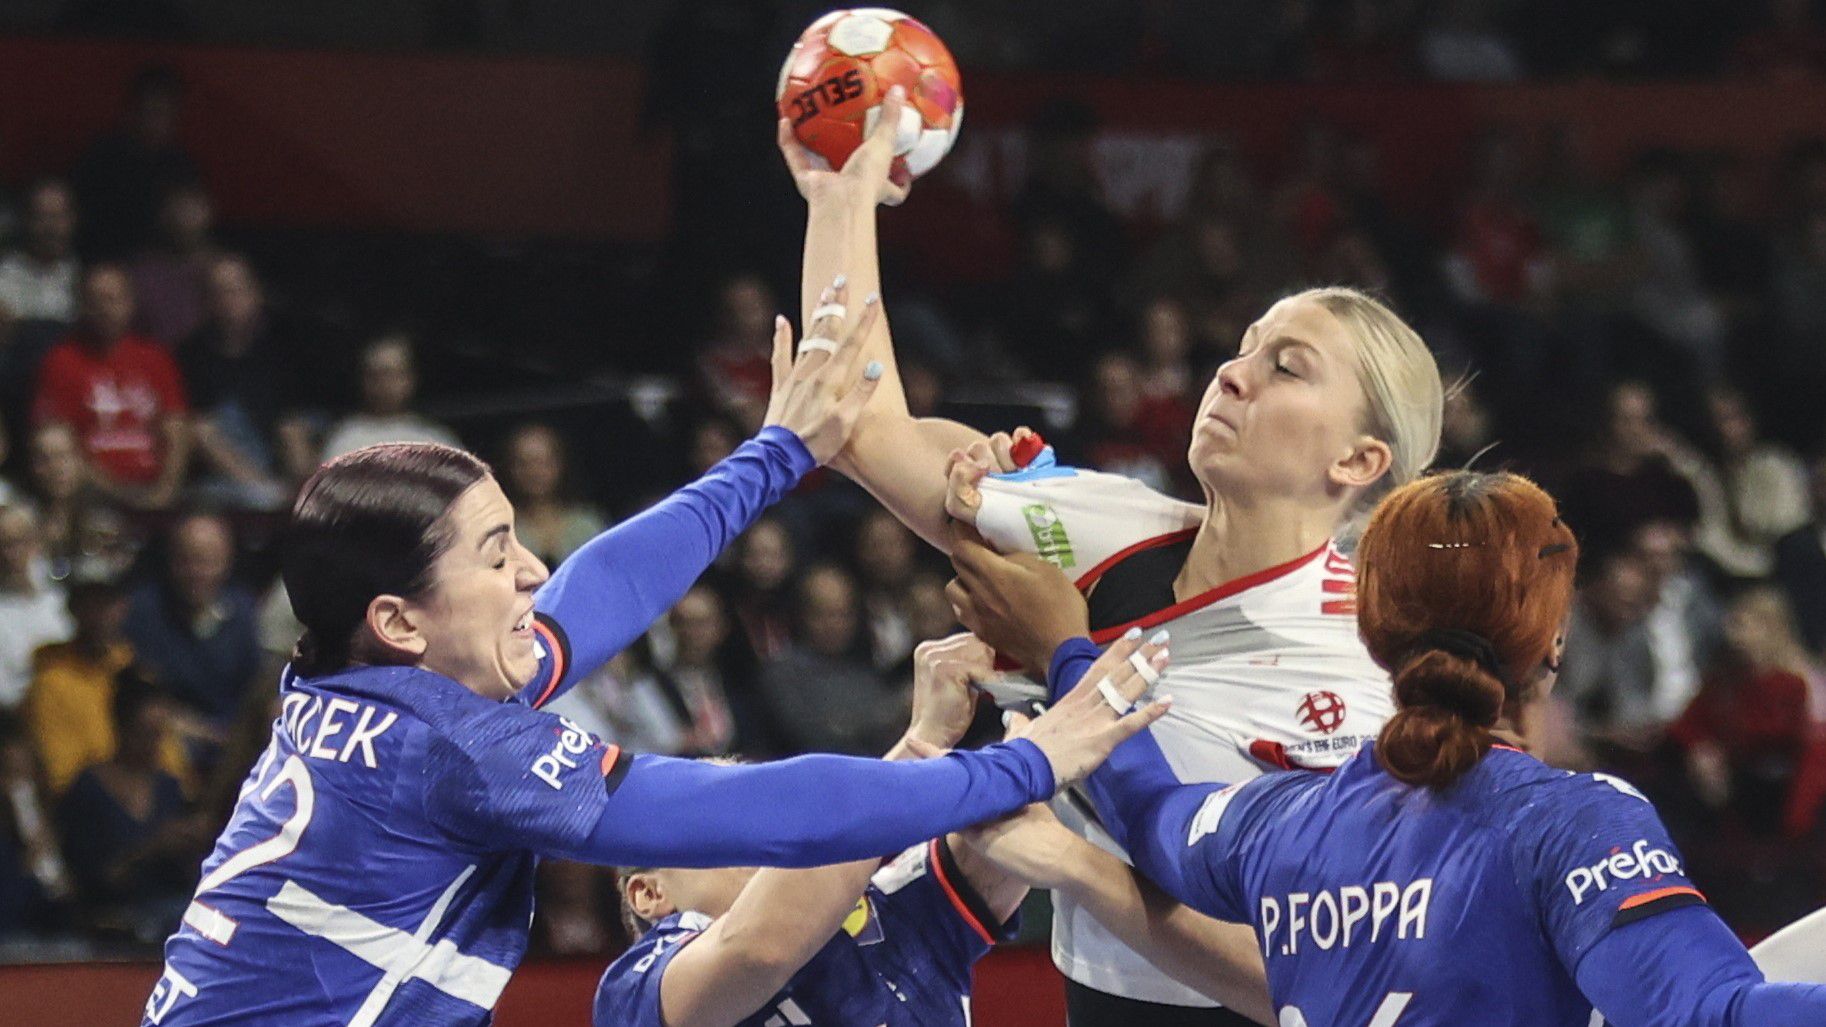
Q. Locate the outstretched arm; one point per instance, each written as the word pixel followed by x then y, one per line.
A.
pixel 899 459
pixel 1684 968
pixel 618 583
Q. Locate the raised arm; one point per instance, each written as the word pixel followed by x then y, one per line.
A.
pixel 899 459
pixel 1684 968
pixel 618 583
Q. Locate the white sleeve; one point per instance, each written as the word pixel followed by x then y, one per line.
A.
pixel 1076 519
pixel 1796 954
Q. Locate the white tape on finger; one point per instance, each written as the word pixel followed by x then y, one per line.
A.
pixel 1144 669
pixel 836 310
pixel 817 343
pixel 1107 689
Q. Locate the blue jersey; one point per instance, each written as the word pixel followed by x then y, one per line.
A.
pixel 904 957
pixel 378 867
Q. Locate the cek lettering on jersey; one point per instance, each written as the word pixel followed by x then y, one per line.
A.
pixel 1351 914
pixel 572 741
pixel 324 730
pixel 1639 862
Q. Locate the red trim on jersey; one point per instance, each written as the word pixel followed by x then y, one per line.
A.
pixel 544 632
pixel 937 866
pixel 1203 599
pixel 1275 755
pixel 1647 897
pixel 1511 748
pixel 610 754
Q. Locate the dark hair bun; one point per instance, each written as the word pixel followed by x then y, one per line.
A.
pixel 1448 704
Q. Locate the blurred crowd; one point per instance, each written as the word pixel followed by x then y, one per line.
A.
pixel 1646 343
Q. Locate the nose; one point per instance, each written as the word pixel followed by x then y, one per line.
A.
pixel 1231 377
pixel 532 571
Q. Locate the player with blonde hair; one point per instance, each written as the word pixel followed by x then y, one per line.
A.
pixel 1331 401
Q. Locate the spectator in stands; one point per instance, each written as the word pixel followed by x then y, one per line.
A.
pixel 1763 488
pixel 33 878
pixel 1629 473
pixel 73 522
pixel 123 395
pixel 1063 189
pixel 169 279
pixel 124 175
pixel 536 477
pixel 714 673
pixel 1800 565
pixel 38 281
pixel 251 447
pixel 1685 624
pixel 1746 731
pixel 1466 434
pixel 66 706
pixel 1669 294
pixel 1053 314
pixel 389 383
pixel 128 834
pixel 1166 351
pixel 760 596
pixel 1608 674
pixel 1497 267
pixel 712 439
pixel 884 555
pixel 33 609
pixel 1128 433
pixel 733 372
pixel 824 694
pixel 195 630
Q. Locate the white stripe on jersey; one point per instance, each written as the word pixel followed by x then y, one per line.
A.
pixel 400 956
pixel 1270 675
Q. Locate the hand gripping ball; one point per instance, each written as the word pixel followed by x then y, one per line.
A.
pixel 842 67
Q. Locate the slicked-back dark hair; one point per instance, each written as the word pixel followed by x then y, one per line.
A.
pixel 367 524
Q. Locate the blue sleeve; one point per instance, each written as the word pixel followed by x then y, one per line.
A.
pixel 930 918
pixel 804 812
pixel 1686 969
pixel 1596 857
pixel 619 582
pixel 1167 828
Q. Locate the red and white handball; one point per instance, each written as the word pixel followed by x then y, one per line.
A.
pixel 842 67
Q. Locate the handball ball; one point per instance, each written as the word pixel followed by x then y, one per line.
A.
pixel 842 67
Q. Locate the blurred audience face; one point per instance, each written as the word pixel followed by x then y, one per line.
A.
pixel 766 559
pixel 202 554
pixel 107 303
pixel 1049 249
pixel 186 217
pixel 1278 418
pixel 1661 546
pixel 233 293
pixel 884 550
pixel 1634 428
pixel 747 311
pixel 55 463
pixel 1116 390
pixel 143 731
pixel 711 442
pixel 1216 249
pixel 1759 628
pixel 100 612
pixel 929 613
pixel 535 464
pixel 1731 422
pixel 1622 594
pixel 699 623
pixel 827 611
pixel 1464 423
pixel 152 116
pixel 19 548
pixel 50 221
pixel 388 378
pixel 1166 333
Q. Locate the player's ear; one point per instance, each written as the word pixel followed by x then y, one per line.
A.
pixel 643 895
pixel 1368 459
pixel 394 628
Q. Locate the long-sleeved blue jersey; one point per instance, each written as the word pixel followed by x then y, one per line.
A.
pixel 378 868
pixel 1521 896
pixel 903 959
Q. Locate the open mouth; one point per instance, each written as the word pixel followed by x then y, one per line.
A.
pixel 525 624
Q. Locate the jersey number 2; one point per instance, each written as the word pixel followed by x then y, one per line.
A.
pixel 1386 1014
pixel 211 923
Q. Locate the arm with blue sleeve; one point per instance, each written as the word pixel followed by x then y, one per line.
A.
pixel 1684 968
pixel 803 812
pixel 1149 812
pixel 609 591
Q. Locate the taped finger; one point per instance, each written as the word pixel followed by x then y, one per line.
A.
pixel 836 310
pixel 1143 669
pixel 1112 695
pixel 818 343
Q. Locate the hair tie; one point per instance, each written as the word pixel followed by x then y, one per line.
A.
pixel 1468 645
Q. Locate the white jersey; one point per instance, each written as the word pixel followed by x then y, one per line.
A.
pixel 1268 670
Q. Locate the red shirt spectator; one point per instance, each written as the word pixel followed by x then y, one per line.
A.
pixel 116 390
